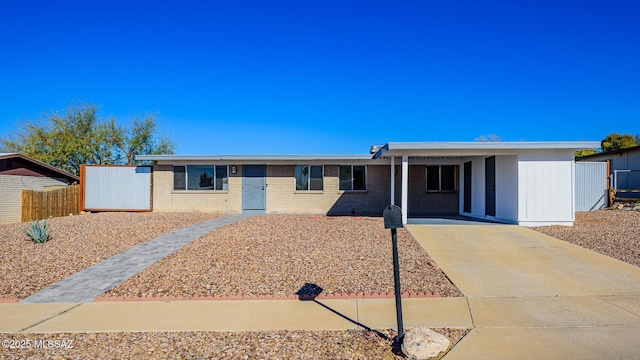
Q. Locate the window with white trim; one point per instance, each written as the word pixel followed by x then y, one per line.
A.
pixel 353 177
pixel 200 177
pixel 442 178
pixel 309 177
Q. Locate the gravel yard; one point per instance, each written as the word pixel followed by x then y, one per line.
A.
pixel 77 243
pixel 614 233
pixel 278 254
pixel 352 344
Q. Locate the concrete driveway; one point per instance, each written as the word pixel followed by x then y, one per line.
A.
pixel 532 296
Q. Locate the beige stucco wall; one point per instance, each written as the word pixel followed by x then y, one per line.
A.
pixel 11 187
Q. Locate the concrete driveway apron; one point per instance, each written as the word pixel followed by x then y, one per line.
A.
pixel 532 296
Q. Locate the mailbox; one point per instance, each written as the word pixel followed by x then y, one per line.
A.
pixel 392 217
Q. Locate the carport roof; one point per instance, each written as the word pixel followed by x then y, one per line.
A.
pixel 394 148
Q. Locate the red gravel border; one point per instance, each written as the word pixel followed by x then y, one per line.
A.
pixel 271 297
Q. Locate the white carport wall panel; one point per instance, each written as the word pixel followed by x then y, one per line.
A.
pixel 117 188
pixel 546 189
pixel 507 188
pixel 477 186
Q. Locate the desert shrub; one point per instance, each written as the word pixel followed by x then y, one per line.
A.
pixel 37 232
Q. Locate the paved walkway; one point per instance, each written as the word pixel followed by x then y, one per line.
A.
pixel 535 297
pixel 232 315
pixel 87 284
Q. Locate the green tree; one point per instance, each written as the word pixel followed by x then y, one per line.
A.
pixel 581 153
pixel 615 141
pixel 140 138
pixel 80 136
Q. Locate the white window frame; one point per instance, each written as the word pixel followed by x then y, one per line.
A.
pixel 366 175
pixel 186 178
pixel 456 174
pixel 295 185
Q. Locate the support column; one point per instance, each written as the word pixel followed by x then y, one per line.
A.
pixel 405 187
pixel 393 180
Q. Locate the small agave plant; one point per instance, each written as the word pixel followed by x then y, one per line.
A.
pixel 38 233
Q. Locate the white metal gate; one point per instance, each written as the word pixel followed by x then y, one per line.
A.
pixel 116 188
pixel 591 186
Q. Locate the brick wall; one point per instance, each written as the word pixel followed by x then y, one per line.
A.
pixel 427 203
pixel 11 187
pixel 281 196
pixel 165 199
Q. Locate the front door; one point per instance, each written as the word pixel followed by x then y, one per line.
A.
pixel 490 186
pixel 254 186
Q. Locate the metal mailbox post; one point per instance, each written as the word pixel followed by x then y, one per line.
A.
pixel 392 215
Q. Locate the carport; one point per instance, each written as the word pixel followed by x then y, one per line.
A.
pixel 526 183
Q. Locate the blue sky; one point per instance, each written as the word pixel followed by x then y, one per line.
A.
pixel 278 77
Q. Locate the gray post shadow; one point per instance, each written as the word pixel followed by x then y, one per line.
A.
pixel 310 291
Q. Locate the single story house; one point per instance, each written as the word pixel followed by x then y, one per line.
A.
pixel 19 172
pixel 624 166
pixel 526 183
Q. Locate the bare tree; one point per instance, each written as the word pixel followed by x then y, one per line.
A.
pixel 489 138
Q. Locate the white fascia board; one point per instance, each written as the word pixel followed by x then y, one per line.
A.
pixel 263 159
pixel 251 158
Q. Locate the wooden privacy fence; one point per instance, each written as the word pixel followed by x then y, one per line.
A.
pixel 37 205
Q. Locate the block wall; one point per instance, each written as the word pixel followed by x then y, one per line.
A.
pixel 165 199
pixel 422 202
pixel 11 187
pixel 282 197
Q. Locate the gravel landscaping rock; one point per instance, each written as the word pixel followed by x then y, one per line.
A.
pixel 77 242
pixel 352 344
pixel 614 233
pixel 279 254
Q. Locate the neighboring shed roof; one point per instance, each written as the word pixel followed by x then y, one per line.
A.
pixel 48 169
pixel 613 152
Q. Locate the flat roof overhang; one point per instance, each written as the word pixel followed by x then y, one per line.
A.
pixel 478 148
pixel 391 149
pixel 259 159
